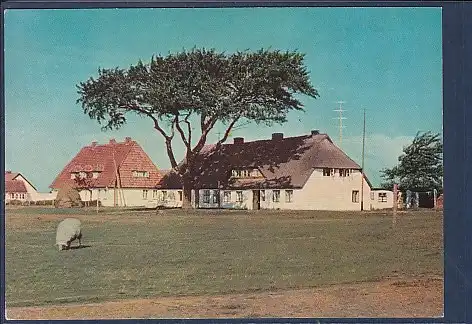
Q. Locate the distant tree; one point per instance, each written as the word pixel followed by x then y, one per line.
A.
pixel 198 88
pixel 420 166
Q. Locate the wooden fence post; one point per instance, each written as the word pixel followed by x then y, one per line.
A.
pixel 395 203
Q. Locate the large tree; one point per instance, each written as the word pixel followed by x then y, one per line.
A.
pixel 420 166
pixel 187 93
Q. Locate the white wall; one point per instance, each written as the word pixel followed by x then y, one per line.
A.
pixel 21 196
pixel 375 201
pixel 133 197
pixel 319 193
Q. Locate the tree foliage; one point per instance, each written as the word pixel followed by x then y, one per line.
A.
pixel 420 166
pixel 198 88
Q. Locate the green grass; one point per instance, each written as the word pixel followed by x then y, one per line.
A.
pixel 136 254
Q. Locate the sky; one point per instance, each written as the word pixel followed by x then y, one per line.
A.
pixel 387 61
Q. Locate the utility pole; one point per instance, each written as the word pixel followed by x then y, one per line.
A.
pixel 362 165
pixel 340 110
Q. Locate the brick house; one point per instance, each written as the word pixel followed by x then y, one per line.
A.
pixel 117 174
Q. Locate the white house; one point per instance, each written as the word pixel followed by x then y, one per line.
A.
pixel 17 187
pixel 306 172
pixel 381 198
pixel 117 174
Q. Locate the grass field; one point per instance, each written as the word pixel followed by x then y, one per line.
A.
pixel 138 254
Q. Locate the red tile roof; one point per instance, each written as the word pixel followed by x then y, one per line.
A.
pixel 284 162
pixel 128 156
pixel 14 176
pixel 10 175
pixel 15 186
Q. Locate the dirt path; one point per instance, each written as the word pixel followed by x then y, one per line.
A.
pixel 388 298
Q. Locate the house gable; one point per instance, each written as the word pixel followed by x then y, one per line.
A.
pixel 138 171
pixel 16 176
pixel 102 165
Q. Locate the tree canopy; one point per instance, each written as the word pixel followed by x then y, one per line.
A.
pixel 420 166
pixel 199 87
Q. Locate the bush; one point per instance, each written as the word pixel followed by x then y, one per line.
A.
pixel 15 202
pixel 43 203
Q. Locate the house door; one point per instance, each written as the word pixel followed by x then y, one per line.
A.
pixel 256 199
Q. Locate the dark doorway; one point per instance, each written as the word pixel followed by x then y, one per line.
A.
pixel 256 199
pixel 426 200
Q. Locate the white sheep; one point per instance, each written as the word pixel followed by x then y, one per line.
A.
pixel 68 231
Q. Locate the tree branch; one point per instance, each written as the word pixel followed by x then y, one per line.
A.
pixel 170 153
pixel 154 119
pixel 203 137
pixel 189 129
pixel 168 138
pixel 228 130
pixel 182 134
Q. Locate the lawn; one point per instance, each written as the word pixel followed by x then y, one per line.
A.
pixel 139 254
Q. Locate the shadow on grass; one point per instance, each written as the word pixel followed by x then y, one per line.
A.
pixel 76 247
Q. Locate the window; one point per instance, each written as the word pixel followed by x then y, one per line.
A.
pixel 227 196
pixel 145 192
pixel 239 196
pixel 154 194
pixel 140 174
pixel 248 173
pixel 382 197
pixel 262 195
pixel 215 197
pixel 288 196
pixel 82 175
pixel 328 172
pixel 206 196
pixel 164 195
pixel 372 196
pixel 355 196
pixel 344 172
pixel 255 173
pixel 276 196
pixel 180 196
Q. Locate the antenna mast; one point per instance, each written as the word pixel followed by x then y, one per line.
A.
pixel 340 110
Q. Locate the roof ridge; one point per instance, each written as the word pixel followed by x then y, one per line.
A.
pixel 210 145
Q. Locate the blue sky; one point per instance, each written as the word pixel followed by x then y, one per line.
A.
pixel 386 60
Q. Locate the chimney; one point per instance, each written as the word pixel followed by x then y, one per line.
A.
pixel 238 140
pixel 112 141
pixel 128 139
pixel 315 132
pixel 277 136
pixel 94 143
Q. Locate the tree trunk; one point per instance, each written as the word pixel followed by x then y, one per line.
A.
pixel 187 191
